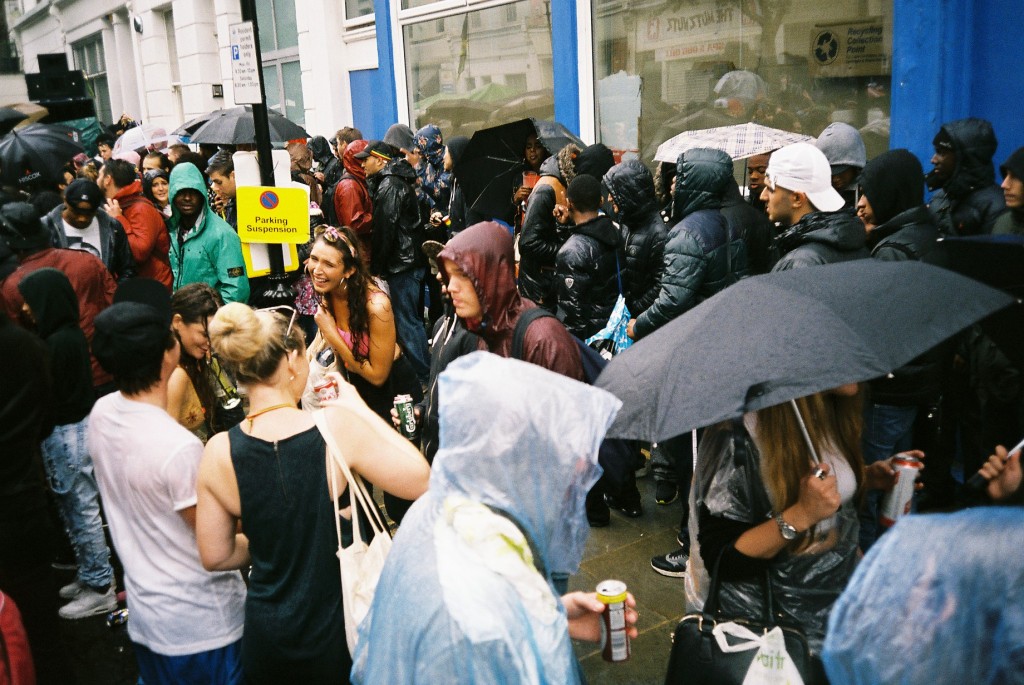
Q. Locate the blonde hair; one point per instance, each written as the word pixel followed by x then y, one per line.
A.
pixel 834 423
pixel 252 343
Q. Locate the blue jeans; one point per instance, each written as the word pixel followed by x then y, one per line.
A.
pixel 405 290
pixel 887 431
pixel 69 470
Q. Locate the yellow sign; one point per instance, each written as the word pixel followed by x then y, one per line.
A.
pixel 273 215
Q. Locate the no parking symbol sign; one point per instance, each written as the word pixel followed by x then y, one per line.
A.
pixel 273 215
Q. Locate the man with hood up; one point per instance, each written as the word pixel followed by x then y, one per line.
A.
pixel 397 238
pixel 703 255
pixel 900 227
pixel 800 198
pixel 968 201
pixel 846 154
pixel 1012 221
pixel 204 249
pixel 467 594
pixel 351 198
pixel 51 303
pixel 478 268
pixel 634 205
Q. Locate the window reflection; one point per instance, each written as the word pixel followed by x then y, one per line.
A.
pixel 480 68
pixel 666 66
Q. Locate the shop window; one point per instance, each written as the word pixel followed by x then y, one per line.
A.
pixel 476 68
pixel 90 59
pixel 279 43
pixel 358 13
pixel 792 64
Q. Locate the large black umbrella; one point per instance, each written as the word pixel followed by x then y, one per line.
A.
pixel 998 261
pixel 235 127
pixel 772 338
pixel 9 118
pixel 491 167
pixel 37 152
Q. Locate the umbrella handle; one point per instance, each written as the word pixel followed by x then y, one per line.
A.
pixel 807 436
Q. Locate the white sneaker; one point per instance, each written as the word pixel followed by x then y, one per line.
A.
pixel 89 603
pixel 73 589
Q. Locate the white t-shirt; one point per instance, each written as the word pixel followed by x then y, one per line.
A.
pixel 146 466
pixel 86 239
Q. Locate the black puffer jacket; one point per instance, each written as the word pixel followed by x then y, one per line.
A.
pixel 970 201
pixel 909 235
pixel 540 240
pixel 703 253
pixel 632 188
pixel 397 223
pixel 587 276
pixel 755 228
pixel 821 238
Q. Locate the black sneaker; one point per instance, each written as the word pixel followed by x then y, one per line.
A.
pixel 598 515
pixel 665 492
pixel 672 564
pixel 632 510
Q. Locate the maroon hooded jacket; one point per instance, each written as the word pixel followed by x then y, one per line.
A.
pixel 352 204
pixel 484 253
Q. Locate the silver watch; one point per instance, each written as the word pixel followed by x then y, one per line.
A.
pixel 787 531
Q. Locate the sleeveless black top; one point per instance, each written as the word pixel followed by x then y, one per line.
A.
pixel 294 624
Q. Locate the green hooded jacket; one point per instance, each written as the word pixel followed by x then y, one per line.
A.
pixel 210 252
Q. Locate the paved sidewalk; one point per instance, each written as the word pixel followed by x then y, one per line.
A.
pixel 623 551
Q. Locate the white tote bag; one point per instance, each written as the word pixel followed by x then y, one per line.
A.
pixel 361 562
pixel 771 664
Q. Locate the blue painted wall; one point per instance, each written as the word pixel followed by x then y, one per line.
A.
pixel 564 64
pixel 953 59
pixel 374 100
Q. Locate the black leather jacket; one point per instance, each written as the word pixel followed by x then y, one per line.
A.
pixel 970 201
pixel 115 252
pixel 703 253
pixel 540 240
pixel 632 188
pixel 587 276
pixel 397 223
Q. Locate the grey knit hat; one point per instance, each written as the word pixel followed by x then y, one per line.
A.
pixel 400 136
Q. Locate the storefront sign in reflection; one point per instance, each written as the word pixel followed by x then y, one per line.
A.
pixel 850 49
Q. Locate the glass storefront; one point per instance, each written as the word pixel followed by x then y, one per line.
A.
pixel 667 66
pixel 479 68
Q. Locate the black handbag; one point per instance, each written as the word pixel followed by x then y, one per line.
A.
pixel 696 658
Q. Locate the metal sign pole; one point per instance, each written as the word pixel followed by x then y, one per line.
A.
pixel 278 290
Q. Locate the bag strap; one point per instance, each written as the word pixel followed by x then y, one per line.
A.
pixel 618 271
pixel 527 317
pixel 359 496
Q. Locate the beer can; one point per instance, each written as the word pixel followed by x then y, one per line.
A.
pixel 615 642
pixel 117 617
pixel 326 391
pixel 896 502
pixel 406 416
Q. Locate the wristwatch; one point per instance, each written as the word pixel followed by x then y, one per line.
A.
pixel 787 531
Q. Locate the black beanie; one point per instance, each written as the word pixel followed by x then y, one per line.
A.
pixel 893 182
pixel 21 228
pixel 595 160
pixel 129 334
pixel 1014 164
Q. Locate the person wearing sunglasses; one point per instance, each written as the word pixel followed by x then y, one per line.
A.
pixel 271 467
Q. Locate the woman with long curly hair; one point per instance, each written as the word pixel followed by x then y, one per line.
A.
pixel 191 399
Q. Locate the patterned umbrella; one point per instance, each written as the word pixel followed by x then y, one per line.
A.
pixel 738 141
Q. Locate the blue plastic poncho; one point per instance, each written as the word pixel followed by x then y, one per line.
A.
pixel 938 599
pixel 461 599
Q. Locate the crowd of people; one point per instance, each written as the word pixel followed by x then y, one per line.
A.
pixel 154 392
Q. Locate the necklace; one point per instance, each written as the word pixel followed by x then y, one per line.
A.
pixel 265 410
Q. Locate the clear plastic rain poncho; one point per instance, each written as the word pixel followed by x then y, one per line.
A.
pixel 938 599
pixel 805 582
pixel 461 598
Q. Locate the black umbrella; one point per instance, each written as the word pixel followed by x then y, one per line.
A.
pixel 9 118
pixel 491 167
pixel 37 152
pixel 235 127
pixel 773 338
pixel 998 261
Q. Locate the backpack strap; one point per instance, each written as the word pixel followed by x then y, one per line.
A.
pixel 519 335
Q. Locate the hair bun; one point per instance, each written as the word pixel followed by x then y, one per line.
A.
pixel 236 333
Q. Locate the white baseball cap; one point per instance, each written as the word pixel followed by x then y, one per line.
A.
pixel 801 167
